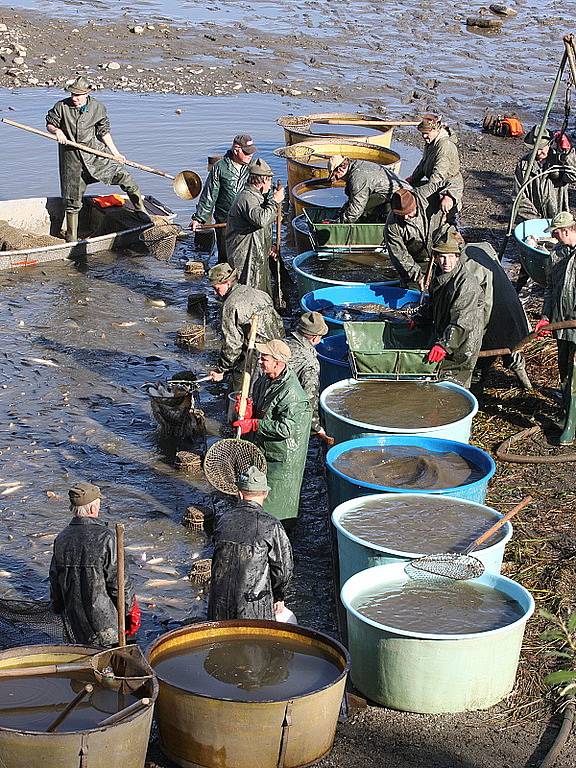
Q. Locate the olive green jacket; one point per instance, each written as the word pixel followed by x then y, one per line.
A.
pixel 225 180
pixel 285 416
pixel 240 303
pixel 86 126
pixel 249 237
pixel 305 364
pixel 438 172
pixel 368 185
pixel 547 195
pixel 409 241
pixel 560 292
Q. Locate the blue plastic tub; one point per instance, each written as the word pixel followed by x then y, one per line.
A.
pixel 366 293
pixel 308 282
pixel 432 673
pixel 342 488
pixel 334 365
pixel 342 428
pixel 355 553
pixel 532 259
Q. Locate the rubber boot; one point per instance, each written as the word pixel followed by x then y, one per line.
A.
pixel 71 226
pixel 567 436
pixel 137 200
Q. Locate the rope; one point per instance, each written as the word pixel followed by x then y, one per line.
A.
pixel 503 451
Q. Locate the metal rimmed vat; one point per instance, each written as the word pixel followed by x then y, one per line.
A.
pixel 532 259
pixel 319 195
pixel 308 159
pixel 198 730
pixel 358 552
pixel 307 281
pixel 122 744
pixel 432 673
pixel 356 126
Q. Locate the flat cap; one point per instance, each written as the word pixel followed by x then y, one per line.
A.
pixel 260 168
pixel 335 162
pixel 253 480
pixel 221 273
pixel 312 324
pixel 276 348
pixel 83 493
pixel 562 220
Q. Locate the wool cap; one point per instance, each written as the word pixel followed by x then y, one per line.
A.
pixel 312 324
pixel 403 202
pixel 260 168
pixel 83 493
pixel 253 480
pixel 79 87
pixel 276 348
pixel 562 220
pixel 221 273
pixel 246 143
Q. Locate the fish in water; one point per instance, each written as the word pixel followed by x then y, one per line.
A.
pixel 13 489
pixel 156 302
pixel 127 324
pixel 40 361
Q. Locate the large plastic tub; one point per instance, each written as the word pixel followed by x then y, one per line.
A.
pixel 197 729
pixel 342 488
pixel 343 428
pixel 308 282
pixel 532 259
pixel 432 673
pixel 356 293
pixel 356 554
pixel 333 356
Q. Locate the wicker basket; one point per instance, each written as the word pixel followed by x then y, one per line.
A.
pixel 191 336
pixel 187 461
pixel 200 572
pixel 195 268
pixel 193 519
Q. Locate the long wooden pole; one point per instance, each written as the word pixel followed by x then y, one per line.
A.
pixel 86 148
pixel 121 601
pixel 247 375
pixel 382 123
pixel 88 688
pixel 281 301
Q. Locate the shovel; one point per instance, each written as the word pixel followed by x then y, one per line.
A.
pixel 187 184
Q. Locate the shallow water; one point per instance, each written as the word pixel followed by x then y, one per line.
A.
pixel 408 467
pixel 449 608
pixel 426 526
pixel 404 404
pixel 32 703
pixel 354 267
pixel 250 669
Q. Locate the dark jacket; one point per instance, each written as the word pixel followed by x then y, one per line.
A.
pixel 83 581
pixel 547 195
pixel 305 364
pixel 225 180
pixel 440 167
pixel 251 566
pixel 368 186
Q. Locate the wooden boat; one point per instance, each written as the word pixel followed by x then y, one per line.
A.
pixel 354 126
pixel 101 229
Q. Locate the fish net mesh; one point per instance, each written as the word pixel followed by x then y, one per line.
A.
pixel 456 567
pixel 31 622
pixel 15 239
pixel 227 459
pixel 160 240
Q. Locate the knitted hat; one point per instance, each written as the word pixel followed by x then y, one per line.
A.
pixel 253 480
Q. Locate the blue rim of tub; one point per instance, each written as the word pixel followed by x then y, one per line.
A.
pixel 476 456
pixel 396 297
pixel 531 227
pixel 497 581
pixel 404 430
pixel 298 260
pixel 339 341
pixel 421 498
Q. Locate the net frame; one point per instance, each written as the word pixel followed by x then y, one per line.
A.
pixel 160 240
pixel 227 459
pixel 448 565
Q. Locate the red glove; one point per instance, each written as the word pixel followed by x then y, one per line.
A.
pixel 436 354
pixel 411 325
pixel 538 328
pixel 249 406
pixel 246 425
pixel 562 141
pixel 133 619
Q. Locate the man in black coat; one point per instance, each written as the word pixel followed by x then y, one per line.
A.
pixel 252 562
pixel 83 574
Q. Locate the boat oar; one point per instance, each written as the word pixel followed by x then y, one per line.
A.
pixel 187 184
pixel 124 713
pixel 88 688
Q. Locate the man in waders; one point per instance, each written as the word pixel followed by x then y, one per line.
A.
pixel 249 227
pixel 437 176
pixel 413 226
pixel 240 304
pixel 278 421
pixel 560 304
pixel 457 310
pixel 369 189
pixel 226 179
pixel 83 119
pixel 309 332
pixel 84 574
pixel 252 562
